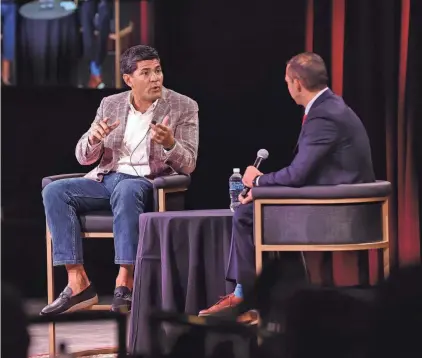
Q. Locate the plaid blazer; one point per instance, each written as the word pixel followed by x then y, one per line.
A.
pixel 183 115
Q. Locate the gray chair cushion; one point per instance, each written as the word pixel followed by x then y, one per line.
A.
pixel 97 221
pixel 321 224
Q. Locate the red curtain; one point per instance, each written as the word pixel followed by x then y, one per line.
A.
pixel 370 48
pixel 144 22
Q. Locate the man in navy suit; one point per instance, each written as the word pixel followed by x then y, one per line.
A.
pixel 333 148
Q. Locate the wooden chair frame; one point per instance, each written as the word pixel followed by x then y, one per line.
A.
pixel 162 192
pixel 260 248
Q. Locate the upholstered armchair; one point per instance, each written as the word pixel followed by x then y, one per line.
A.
pixel 350 217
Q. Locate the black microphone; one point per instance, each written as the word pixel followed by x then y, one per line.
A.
pixel 260 156
pixel 160 120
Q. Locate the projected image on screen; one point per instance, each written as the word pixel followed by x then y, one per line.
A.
pixel 71 43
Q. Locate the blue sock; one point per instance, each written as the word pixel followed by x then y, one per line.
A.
pixel 95 69
pixel 238 291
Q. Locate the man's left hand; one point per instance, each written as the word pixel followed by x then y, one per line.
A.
pixel 246 199
pixel 162 134
pixel 250 174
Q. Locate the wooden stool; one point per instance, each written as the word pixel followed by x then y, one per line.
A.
pixel 168 196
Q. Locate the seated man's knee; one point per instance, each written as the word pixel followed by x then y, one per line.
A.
pixel 128 192
pixel 243 212
pixel 53 191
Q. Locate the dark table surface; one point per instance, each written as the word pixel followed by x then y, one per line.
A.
pixel 48 46
pixel 180 266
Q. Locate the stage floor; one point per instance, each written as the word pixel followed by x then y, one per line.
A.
pixel 77 336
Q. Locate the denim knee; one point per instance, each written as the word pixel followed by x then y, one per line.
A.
pixel 123 194
pixel 126 196
pixel 52 192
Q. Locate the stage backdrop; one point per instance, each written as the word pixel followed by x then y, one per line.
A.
pixel 372 50
pixel 230 57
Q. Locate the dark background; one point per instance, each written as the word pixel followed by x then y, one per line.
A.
pixel 230 57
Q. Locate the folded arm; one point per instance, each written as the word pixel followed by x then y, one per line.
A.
pixel 87 154
pixel 182 157
pixel 318 138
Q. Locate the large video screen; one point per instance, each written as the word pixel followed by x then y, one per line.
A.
pixel 74 43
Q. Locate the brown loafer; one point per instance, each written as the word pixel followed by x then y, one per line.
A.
pixel 96 82
pixel 224 303
pixel 248 318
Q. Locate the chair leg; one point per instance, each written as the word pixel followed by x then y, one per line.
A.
pixel 258 259
pixel 386 261
pixel 50 294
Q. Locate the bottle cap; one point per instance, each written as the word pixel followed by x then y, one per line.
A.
pixel 236 170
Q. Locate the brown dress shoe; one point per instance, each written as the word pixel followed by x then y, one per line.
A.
pixel 224 303
pixel 96 82
pixel 5 72
pixel 249 318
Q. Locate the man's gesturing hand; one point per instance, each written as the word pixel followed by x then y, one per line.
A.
pixel 100 130
pixel 162 134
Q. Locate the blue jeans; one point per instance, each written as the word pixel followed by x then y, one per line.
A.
pixel 126 195
pixel 8 17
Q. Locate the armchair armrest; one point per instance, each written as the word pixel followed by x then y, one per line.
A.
pixel 47 180
pixel 169 192
pixel 177 181
pixel 377 189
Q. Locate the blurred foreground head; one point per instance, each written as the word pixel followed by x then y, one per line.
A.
pixel 14 324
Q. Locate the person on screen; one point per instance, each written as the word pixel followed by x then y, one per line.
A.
pixel 95 15
pixel 8 19
pixel 333 148
pixel 132 150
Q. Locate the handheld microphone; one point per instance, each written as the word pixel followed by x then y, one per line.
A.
pixel 160 120
pixel 260 156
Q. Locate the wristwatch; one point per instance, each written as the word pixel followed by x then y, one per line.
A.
pixel 254 180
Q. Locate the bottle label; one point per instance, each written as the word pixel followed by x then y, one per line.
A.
pixel 236 186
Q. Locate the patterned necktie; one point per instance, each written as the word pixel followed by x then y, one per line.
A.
pixel 303 119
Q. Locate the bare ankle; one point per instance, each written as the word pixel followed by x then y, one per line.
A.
pixel 125 276
pixel 77 278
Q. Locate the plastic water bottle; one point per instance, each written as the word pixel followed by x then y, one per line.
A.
pixel 235 188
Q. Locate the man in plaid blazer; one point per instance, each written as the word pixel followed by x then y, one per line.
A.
pixel 147 132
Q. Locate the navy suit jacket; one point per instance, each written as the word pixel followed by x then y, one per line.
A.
pixel 333 148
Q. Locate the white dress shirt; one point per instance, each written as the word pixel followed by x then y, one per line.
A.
pixel 134 153
pixel 312 101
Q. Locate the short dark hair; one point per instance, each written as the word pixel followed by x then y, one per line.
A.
pixel 309 68
pixel 134 54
